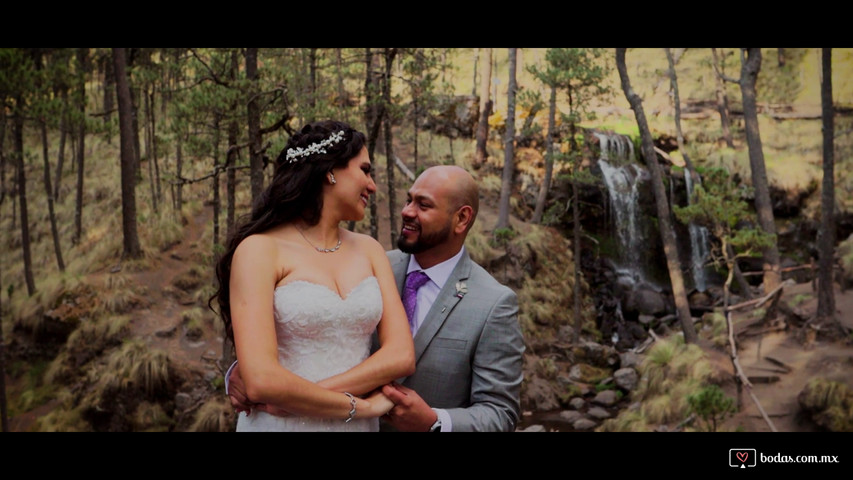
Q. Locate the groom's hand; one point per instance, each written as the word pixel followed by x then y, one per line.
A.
pixel 410 413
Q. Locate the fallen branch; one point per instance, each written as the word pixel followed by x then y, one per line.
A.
pixel 403 168
pixel 760 301
pixel 809 266
pixel 739 371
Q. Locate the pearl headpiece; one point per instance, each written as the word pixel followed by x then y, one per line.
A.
pixel 293 154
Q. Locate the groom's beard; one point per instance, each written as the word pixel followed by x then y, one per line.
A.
pixel 425 241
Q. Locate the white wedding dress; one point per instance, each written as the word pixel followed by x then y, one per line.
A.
pixel 320 334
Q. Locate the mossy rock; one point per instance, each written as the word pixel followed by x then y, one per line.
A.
pixel 829 403
pixel 585 373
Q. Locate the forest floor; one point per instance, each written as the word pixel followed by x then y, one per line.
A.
pixel 787 359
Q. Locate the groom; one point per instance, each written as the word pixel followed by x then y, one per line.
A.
pixel 468 344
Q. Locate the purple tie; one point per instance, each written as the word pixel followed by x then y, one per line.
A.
pixel 410 294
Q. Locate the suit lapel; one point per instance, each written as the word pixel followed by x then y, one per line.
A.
pixel 399 267
pixel 445 302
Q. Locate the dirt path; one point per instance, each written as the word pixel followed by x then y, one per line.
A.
pixel 804 360
pixel 162 322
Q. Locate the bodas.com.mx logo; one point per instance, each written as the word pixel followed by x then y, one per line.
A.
pixel 742 457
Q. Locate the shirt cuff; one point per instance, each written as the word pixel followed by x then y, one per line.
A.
pixel 228 374
pixel 446 423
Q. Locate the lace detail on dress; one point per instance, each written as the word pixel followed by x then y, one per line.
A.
pixel 320 334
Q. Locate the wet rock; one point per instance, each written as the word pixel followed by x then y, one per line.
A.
pixel 183 401
pixel 629 360
pixel 571 416
pixel 582 372
pixel 626 379
pixel 607 398
pixel 584 424
pixel 598 413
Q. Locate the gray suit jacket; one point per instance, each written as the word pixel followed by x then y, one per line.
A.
pixel 469 349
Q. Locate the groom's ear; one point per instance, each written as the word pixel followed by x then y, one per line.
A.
pixel 464 217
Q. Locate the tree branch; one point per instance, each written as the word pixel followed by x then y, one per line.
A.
pixel 216 171
pixel 283 123
pixel 760 301
pixel 207 67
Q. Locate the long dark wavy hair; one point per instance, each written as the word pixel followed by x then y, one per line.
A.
pixel 294 193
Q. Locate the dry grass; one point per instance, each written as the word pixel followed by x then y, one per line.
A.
pixel 86 342
pixel 67 418
pixel 670 372
pixel 216 415
pixel 136 367
pixel 150 417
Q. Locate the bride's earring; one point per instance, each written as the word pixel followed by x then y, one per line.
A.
pixel 332 178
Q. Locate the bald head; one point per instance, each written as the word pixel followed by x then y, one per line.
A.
pixel 454 184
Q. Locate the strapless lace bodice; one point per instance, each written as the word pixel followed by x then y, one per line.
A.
pixel 320 334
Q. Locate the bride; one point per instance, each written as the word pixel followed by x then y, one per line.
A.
pixel 301 297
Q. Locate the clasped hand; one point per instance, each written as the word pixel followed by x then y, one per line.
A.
pixel 376 403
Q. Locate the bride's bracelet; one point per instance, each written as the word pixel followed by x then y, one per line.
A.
pixel 352 403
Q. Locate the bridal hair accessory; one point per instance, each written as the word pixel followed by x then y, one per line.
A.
pixel 352 404
pixel 293 154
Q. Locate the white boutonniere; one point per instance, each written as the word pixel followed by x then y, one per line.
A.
pixel 461 289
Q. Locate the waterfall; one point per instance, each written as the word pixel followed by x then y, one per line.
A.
pixel 623 183
pixel 698 242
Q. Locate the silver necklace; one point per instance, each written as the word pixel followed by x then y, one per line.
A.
pixel 321 250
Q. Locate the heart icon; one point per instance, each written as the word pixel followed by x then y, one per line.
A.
pixel 742 456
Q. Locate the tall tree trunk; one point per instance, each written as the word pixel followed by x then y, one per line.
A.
pixel 676 101
pixel 149 149
pixel 509 147
pixel 22 195
pixel 549 158
pixel 722 100
pixel 474 77
pixel 2 150
pixel 481 154
pixel 132 53
pixel 57 250
pixel 109 88
pixel 132 248
pixel 667 234
pixel 179 167
pixel 256 160
pixel 826 237
pixel 217 202
pixel 153 157
pixel 4 417
pixel 416 109
pixel 341 101
pixel 390 53
pixel 63 134
pixel 80 96
pixel 751 64
pixel 312 70
pixel 231 155
pixel 374 112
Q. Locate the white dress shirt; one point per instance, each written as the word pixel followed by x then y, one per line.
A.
pixel 438 275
